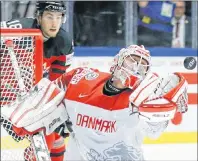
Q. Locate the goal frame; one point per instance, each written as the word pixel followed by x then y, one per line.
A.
pixel 38 54
pixel 38 51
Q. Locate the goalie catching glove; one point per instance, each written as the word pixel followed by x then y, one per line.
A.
pixel 40 109
pixel 167 101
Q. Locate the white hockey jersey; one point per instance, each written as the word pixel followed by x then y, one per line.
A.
pixel 104 127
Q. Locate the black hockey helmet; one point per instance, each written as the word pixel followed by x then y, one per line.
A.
pixel 55 6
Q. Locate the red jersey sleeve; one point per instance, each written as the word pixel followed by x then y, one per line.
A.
pixel 64 79
pixel 59 66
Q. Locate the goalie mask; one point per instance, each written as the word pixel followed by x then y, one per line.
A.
pixel 53 6
pixel 131 65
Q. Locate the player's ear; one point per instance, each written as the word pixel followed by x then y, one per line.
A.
pixel 38 18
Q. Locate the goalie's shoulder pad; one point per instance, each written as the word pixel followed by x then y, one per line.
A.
pixel 84 73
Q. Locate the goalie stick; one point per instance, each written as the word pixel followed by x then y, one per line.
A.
pixel 37 140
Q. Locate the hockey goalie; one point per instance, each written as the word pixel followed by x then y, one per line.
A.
pixel 106 114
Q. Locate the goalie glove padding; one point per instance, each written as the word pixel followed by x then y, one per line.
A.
pixel 169 99
pixel 40 102
pixel 179 94
pixel 143 91
pixel 157 110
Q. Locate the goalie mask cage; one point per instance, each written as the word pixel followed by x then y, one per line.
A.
pixel 27 46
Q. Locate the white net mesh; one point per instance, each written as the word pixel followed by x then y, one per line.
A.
pixel 24 50
pixel 14 147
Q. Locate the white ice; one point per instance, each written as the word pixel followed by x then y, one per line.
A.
pixel 152 152
pixel 166 152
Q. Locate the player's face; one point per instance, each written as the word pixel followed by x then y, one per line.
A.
pixel 50 23
pixel 136 64
pixel 133 65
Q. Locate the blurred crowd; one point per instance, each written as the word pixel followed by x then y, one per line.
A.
pixel 164 23
pixel 160 23
pixel 102 23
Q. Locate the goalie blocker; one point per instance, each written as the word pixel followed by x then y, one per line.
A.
pixel 40 109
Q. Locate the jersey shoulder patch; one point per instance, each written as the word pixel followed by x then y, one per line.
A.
pixel 84 73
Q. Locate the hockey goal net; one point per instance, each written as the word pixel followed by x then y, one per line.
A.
pixel 27 47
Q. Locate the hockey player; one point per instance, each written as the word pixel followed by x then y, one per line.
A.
pixel 58 46
pixel 107 115
pixel 58 51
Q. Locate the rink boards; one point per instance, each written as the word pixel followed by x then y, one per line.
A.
pixel 183 133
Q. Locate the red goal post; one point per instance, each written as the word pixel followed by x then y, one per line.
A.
pixel 28 49
pixel 27 46
pixel 36 33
